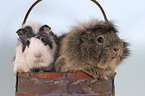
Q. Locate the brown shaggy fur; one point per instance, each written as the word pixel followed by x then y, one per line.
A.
pixel 80 50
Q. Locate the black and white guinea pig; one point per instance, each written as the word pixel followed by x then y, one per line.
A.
pixel 36 49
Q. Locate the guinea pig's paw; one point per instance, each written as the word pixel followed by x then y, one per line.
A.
pixel 106 75
pixel 111 74
pixel 103 77
pixel 98 73
pixel 20 71
pixel 92 72
pixel 30 74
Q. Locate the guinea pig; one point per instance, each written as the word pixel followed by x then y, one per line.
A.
pixel 92 47
pixel 36 49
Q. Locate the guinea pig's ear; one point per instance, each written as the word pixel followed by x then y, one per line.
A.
pixel 28 29
pixel 45 28
pixel 85 36
pixel 21 32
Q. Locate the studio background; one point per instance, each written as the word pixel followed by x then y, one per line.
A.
pixel 128 15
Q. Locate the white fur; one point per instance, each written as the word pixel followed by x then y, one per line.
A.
pixel 37 47
pixel 20 61
pixel 27 60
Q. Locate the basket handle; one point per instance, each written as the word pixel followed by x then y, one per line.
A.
pixel 28 12
pixel 97 3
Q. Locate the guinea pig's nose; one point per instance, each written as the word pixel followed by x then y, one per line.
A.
pixel 38 55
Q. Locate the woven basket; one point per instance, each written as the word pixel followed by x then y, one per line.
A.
pixel 62 84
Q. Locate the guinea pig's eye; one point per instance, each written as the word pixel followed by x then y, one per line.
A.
pixel 100 40
pixel 43 40
pixel 28 42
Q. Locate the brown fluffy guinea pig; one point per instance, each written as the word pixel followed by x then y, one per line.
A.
pixel 92 47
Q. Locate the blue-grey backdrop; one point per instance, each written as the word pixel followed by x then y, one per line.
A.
pixel 128 15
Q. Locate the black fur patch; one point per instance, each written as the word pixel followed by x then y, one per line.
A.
pixel 25 34
pixel 45 39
